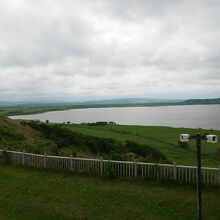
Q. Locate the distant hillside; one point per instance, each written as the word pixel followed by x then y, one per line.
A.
pixel 25 108
pixel 106 103
pixel 131 101
pixel 92 102
pixel 201 101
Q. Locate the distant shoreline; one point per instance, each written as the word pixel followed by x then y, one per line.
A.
pixel 194 116
pixel 28 109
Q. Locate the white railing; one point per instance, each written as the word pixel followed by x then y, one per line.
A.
pixel 127 169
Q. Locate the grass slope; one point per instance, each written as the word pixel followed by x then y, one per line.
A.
pixel 163 138
pixel 14 136
pixel 35 194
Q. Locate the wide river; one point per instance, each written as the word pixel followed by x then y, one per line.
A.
pixel 191 116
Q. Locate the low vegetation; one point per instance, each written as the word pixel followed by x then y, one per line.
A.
pixel 14 136
pixel 108 148
pixel 34 194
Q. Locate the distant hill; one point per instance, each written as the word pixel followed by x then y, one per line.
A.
pixel 109 102
pixel 131 101
pixel 24 108
pixel 92 102
pixel 201 101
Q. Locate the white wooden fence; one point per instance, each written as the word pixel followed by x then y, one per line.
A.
pixel 127 169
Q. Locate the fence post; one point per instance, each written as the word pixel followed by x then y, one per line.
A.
pixel 23 159
pixel 101 165
pixel 219 176
pixel 4 152
pixel 45 160
pixel 135 168
pixel 71 163
pixel 174 171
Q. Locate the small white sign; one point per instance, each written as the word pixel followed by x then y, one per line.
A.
pixel 212 138
pixel 184 137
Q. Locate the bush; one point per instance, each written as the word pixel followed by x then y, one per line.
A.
pixel 111 172
pixel 116 156
pixel 144 151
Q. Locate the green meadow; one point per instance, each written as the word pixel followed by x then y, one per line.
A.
pixel 36 194
pixel 164 139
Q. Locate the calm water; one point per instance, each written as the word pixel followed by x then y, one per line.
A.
pixel 191 116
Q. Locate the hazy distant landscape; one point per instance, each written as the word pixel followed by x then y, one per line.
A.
pixel 24 108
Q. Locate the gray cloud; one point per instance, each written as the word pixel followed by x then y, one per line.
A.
pixel 103 49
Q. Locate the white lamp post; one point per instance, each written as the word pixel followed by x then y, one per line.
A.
pixel 198 137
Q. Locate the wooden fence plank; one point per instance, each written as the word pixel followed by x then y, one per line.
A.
pixel 128 169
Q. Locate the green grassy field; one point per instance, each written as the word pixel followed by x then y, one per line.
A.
pixel 163 138
pixel 35 194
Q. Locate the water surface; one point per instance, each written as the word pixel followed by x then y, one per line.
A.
pixel 191 116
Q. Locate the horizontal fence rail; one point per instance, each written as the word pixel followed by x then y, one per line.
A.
pixel 127 169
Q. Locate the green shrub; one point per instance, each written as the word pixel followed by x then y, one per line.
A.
pixel 145 151
pixel 111 172
pixel 116 156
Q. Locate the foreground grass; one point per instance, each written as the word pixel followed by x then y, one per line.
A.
pixel 164 139
pixel 35 194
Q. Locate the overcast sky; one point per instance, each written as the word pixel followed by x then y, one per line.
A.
pixel 95 49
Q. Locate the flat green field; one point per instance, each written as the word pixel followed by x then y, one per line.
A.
pixel 35 194
pixel 163 138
